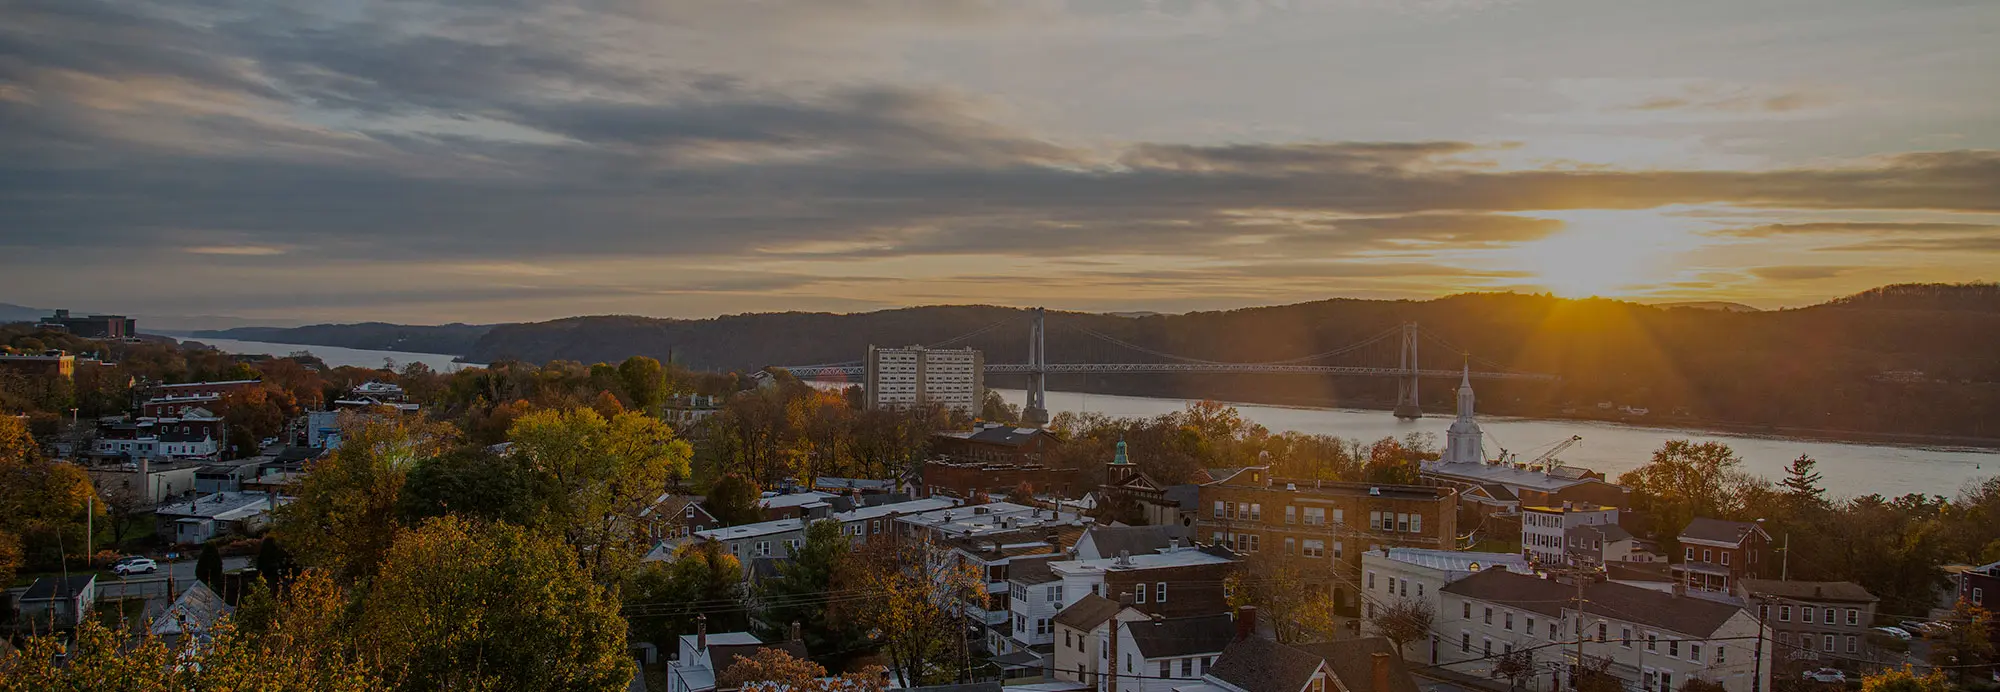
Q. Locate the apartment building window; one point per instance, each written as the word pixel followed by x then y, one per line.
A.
pixel 1232 510
pixel 1139 592
pixel 1315 548
pixel 1291 514
pixel 1625 637
pixel 1784 613
pixel 1806 614
pixel 1652 642
pixel 1601 631
pixel 1251 541
pixel 1256 511
pixel 1315 516
pixel 1763 612
pixel 1388 521
pixel 1160 592
pixel 1220 539
pixel 1020 623
pixel 1528 627
pixel 1852 644
pixel 1489 615
pixel 1464 642
pixel 1507 621
pixel 1403 522
pixel 1854 615
pixel 1827 644
pixel 1721 654
pixel 1725 558
pixel 1646 680
pixel 763 547
pixel 1403 589
pixel 1468 609
pixel 1371 581
pixel 1690 555
pixel 1291 546
pixel 1043 626
pixel 1488 646
pixel 1218 509
pixel 1420 594
pixel 1339 550
pixel 1674 648
pixel 1666 680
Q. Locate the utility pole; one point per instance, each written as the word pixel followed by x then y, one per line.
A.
pixel 1785 563
pixel 1757 668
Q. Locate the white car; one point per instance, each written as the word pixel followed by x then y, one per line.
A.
pixel 1833 675
pixel 135 565
pixel 1896 632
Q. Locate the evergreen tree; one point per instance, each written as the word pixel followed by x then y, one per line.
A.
pixel 1802 484
pixel 274 564
pixel 208 567
pixel 734 500
pixel 797 593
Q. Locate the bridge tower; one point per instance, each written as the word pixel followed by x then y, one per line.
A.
pixel 1408 405
pixel 1036 413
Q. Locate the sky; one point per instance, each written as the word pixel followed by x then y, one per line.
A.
pixel 429 161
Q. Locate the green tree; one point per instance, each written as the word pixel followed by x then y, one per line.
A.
pixel 275 564
pixel 42 503
pixel 595 478
pixel 1685 480
pixel 459 605
pixel 208 567
pixel 473 482
pixel 666 598
pixel 645 382
pixel 344 515
pixel 916 613
pixel 734 500
pixel 796 594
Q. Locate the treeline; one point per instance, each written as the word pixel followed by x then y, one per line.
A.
pixel 452 338
pixel 1905 360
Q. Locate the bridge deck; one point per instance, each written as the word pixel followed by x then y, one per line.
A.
pixel 856 371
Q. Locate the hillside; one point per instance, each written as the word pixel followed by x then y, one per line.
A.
pixel 452 339
pixel 1980 297
pixel 1829 367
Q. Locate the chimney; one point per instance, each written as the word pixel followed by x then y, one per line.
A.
pixel 1246 622
pixel 1124 558
pixel 1381 668
pixel 795 632
pixel 701 632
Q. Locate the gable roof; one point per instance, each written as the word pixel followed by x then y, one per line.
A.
pixel 1518 590
pixel 1087 612
pixel 1682 614
pixel 46 588
pixel 1007 436
pixel 1720 531
pixel 1138 540
pixel 1182 636
pixel 1840 591
pixel 1353 663
pixel 195 612
pixel 1255 664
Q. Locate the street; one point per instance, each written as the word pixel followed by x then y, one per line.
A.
pixel 114 587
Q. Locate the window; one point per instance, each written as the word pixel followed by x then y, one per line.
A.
pixel 1232 510
pixel 763 547
pixel 1647 680
pixel 1784 613
pixel 1166 669
pixel 1763 612
pixel 1625 637
pixel 1251 541
pixel 1416 523
pixel 1388 521
pixel 1601 631
pixel 1666 680
pixel 1468 609
pixel 1291 514
pixel 1128 663
pixel 1374 520
pixel 1489 615
pixel 1371 581
pixel 1806 614
pixel 1068 642
pixel 1852 644
pixel 1528 626
pixel 1160 592
pixel 1339 550
pixel 1674 647
pixel 1420 594
pixel 1464 642
pixel 1139 592
pixel 1403 523
pixel 1725 558
pixel 1218 509
pixel 1652 642
pixel 1020 623
pixel 1507 619
pixel 1097 589
pixel 1552 630
pixel 1256 512
pixel 1187 667
pixel 1690 554
pixel 1315 516
pixel 1707 555
pixel 1721 654
pixel 1403 589
pixel 1854 615
pixel 1339 516
pixel 1489 646
pixel 1315 548
pixel 1205 660
pixel 1291 546
pixel 1371 611
pixel 1220 539
pixel 1044 626
pixel 1828 643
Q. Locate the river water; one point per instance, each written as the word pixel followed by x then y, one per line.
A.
pixel 336 356
pixel 1849 468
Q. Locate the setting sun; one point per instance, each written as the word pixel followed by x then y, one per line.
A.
pixel 1605 253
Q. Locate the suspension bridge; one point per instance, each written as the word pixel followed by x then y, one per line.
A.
pixel 1407 367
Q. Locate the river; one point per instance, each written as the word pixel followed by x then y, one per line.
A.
pixel 1849 468
pixel 335 356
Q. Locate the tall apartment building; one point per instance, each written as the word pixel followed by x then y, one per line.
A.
pixel 954 378
pixel 1325 524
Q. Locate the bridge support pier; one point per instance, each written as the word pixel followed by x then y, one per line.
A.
pixel 1036 413
pixel 1409 406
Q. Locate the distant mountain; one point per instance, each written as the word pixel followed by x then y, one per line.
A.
pixel 1719 305
pixel 1977 297
pixel 1819 368
pixel 454 339
pixel 10 312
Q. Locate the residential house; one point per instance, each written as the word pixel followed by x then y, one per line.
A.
pixel 1981 586
pixel 194 614
pixel 794 505
pixel 1651 640
pixel 1255 664
pixel 1545 529
pixel 1603 544
pixel 1399 575
pixel 1325 525
pixel 1715 553
pixel 171 400
pixel 686 411
pixel 58 602
pixel 1081 655
pixel 1181 580
pixel 1822 622
pixel 142 483
pixel 701 657
pixel 1011 563
pixel 776 539
pixel 1150 652
pixel 215 514
pixel 1101 541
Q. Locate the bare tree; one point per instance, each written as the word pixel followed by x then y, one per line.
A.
pixel 1404 621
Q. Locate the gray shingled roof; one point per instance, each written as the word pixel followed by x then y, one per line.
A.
pixel 1256 664
pixel 1518 590
pixel 1032 570
pixel 1183 636
pixel 1720 531
pixel 45 588
pixel 1840 591
pixel 1139 540
pixel 1353 662
pixel 1684 614
pixel 1088 612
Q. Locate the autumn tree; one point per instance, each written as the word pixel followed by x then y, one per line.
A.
pixel 1967 643
pixel 596 477
pixel 1685 480
pixel 42 503
pixel 664 599
pixel 344 514
pixel 797 593
pixel 1516 667
pixel 1404 620
pixel 461 605
pixel 645 381
pixel 1279 589
pixel 774 670
pixel 917 614
pixel 1906 680
pixel 472 482
pixel 820 427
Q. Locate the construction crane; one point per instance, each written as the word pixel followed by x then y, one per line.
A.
pixel 1548 460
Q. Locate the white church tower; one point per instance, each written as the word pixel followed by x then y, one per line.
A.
pixel 1464 442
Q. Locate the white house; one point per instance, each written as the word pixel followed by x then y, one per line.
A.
pixel 216 514
pixel 58 601
pixel 1397 575
pixel 1653 641
pixel 701 656
pixel 1545 530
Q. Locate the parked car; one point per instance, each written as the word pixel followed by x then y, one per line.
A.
pixel 1896 632
pixel 134 565
pixel 1832 675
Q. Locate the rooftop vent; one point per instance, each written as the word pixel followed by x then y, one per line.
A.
pixel 1374 490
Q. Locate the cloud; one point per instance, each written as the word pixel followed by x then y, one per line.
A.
pixel 1800 272
pixel 1856 228
pixel 235 250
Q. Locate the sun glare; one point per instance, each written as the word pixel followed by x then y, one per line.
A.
pixel 1606 253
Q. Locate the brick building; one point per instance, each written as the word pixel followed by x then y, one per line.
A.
pixel 1716 553
pixel 1325 524
pixel 92 327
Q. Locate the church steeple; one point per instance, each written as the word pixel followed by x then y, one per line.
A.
pixel 1464 442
